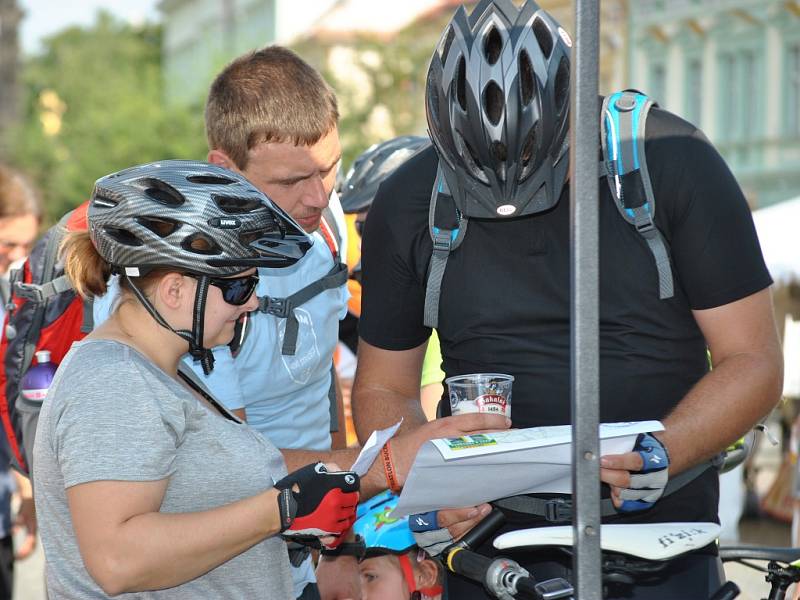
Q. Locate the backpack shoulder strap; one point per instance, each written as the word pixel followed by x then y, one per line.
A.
pixel 329 229
pixel 48 286
pixel 622 127
pixel 56 234
pixel 447 227
pixel 284 307
pixel 5 291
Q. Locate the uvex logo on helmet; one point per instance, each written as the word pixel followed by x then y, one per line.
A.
pixel 225 222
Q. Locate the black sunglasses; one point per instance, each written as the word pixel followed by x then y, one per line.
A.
pixel 235 290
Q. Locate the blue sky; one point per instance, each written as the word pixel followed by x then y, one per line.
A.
pixel 44 17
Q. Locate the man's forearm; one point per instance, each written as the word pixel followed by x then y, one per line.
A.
pixel 377 408
pixel 722 407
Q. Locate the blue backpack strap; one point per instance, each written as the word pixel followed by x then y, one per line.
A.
pixel 622 126
pixel 447 227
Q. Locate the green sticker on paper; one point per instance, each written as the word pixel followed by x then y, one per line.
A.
pixel 470 441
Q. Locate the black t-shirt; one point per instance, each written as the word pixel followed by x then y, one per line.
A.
pixel 505 300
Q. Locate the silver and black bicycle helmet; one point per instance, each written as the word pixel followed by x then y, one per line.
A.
pixel 192 217
pixel 373 166
pixel 497 103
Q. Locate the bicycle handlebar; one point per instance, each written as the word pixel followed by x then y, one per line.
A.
pixel 467 563
pixel 483 530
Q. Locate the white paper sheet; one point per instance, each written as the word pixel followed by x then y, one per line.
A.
pixel 370 450
pixel 466 471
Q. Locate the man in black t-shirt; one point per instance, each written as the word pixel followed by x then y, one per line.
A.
pixel 497 105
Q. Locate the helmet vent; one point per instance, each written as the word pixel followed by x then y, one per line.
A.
pixel 200 243
pixel 161 192
pixel 543 36
pixel 525 78
pixel 461 83
pixel 160 226
pixel 527 155
pixel 501 154
pixel 561 88
pixel 492 45
pixel 102 201
pixel 210 179
pixel 470 158
pixel 447 41
pixel 236 205
pixel 493 102
pixel 122 236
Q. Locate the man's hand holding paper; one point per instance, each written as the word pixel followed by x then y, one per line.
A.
pixel 405 446
pixel 477 468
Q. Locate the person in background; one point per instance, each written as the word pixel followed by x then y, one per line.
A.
pixel 20 219
pixel 144 482
pixel 393 566
pixel 357 191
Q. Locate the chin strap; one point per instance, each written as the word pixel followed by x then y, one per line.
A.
pixel 196 349
pixel 195 336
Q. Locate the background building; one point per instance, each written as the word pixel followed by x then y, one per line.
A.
pixel 200 36
pixel 732 67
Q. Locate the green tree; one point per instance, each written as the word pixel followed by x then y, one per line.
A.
pixel 379 81
pixel 94 104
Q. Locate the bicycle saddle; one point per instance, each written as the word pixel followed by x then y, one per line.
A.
pixel 650 541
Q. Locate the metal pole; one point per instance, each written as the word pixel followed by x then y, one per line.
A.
pixel 584 136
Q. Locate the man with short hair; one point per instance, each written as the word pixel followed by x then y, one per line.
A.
pixel 498 113
pixel 273 118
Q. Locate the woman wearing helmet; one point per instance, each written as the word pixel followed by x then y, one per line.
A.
pixel 143 482
pixel 393 567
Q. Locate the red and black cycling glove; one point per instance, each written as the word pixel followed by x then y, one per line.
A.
pixel 325 504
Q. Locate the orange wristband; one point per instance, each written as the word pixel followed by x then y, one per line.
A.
pixel 389 469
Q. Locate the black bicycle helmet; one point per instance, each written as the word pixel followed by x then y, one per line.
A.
pixel 192 217
pixel 373 166
pixel 497 103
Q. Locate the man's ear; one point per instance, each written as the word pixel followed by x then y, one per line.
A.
pixel 219 158
pixel 426 573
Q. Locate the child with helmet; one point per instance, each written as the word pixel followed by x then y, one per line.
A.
pixel 393 566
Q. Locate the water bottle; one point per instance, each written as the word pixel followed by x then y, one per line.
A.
pixel 38 378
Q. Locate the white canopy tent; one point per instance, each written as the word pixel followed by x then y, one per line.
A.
pixel 778 228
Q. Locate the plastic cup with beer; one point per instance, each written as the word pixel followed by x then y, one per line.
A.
pixel 481 393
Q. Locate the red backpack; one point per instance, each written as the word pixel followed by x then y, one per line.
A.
pixel 43 312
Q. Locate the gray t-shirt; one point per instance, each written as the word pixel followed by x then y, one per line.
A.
pixel 111 414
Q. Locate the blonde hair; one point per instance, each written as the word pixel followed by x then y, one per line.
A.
pixel 269 95
pixel 89 272
pixel 18 198
pixel 86 269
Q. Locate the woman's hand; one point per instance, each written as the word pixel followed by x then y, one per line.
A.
pixel 317 504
